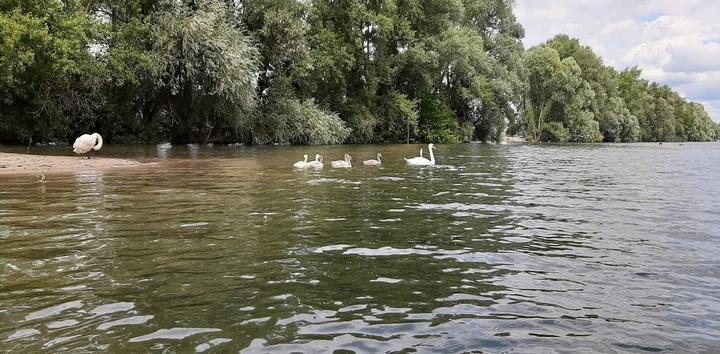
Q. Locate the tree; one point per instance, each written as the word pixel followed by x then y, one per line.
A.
pixel 594 102
pixel 49 78
pixel 552 85
pixel 362 71
pixel 289 121
pixel 206 68
pixel 437 121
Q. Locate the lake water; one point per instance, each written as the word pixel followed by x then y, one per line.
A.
pixel 499 248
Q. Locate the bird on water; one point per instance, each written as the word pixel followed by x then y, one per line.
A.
pixel 421 161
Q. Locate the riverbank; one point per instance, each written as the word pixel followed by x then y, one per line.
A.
pixel 40 164
pixel 513 140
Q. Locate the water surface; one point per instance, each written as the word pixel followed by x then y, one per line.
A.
pixel 547 248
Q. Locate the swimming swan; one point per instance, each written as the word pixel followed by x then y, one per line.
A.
pixel 374 162
pixel 343 163
pixel 301 164
pixel 421 161
pixel 317 164
pixel 87 142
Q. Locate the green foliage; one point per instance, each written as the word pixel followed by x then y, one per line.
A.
pixel 466 131
pixel 366 55
pixel 555 131
pixel 617 124
pixel 290 121
pixel 553 85
pixel 48 77
pixel 437 122
pixel 314 72
pixel 583 128
pixel 586 101
pixel 401 121
pixel 696 124
pixel 205 68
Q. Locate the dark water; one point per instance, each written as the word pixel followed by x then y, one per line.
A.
pixel 514 248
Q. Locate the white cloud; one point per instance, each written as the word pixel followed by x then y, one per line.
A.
pixel 712 107
pixel 695 56
pixel 676 43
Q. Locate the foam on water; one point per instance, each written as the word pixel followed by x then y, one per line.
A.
pixel 173 334
pixel 129 321
pixel 53 310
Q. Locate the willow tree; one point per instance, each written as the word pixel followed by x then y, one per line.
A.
pixel 502 39
pixel 605 104
pixel 206 69
pixel 601 102
pixel 285 114
pixel 552 86
pixel 467 54
pixel 377 62
pixel 696 124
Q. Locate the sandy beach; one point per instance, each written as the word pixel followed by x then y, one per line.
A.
pixel 41 164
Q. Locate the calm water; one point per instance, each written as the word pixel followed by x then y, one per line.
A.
pixel 512 248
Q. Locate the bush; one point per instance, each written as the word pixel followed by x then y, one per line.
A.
pixel 466 132
pixel 437 121
pixel 555 131
pixel 583 128
pixel 289 121
pixel 361 121
pixel 400 113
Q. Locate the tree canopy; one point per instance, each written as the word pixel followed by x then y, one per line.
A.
pixel 314 72
pixel 572 96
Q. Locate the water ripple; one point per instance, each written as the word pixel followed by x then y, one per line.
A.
pixel 511 248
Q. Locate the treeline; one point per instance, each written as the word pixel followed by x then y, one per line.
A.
pixel 572 96
pixel 314 72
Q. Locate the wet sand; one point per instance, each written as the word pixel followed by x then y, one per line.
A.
pixel 41 164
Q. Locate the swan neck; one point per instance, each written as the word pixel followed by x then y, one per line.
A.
pixel 432 156
pixel 99 141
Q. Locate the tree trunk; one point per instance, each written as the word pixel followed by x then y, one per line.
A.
pixel 544 112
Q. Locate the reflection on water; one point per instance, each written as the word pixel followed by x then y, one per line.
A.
pixel 525 248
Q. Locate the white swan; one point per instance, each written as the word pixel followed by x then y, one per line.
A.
pixel 343 163
pixel 421 161
pixel 87 142
pixel 317 164
pixel 301 164
pixel 374 162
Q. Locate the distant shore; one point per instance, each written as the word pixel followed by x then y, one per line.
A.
pixel 39 164
pixel 513 140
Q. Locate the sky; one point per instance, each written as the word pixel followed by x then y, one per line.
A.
pixel 674 42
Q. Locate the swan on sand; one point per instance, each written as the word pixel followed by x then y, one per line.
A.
pixel 421 161
pixel 87 142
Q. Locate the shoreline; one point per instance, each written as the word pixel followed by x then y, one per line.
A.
pixel 23 164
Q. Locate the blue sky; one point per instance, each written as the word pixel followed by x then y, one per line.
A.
pixel 674 42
